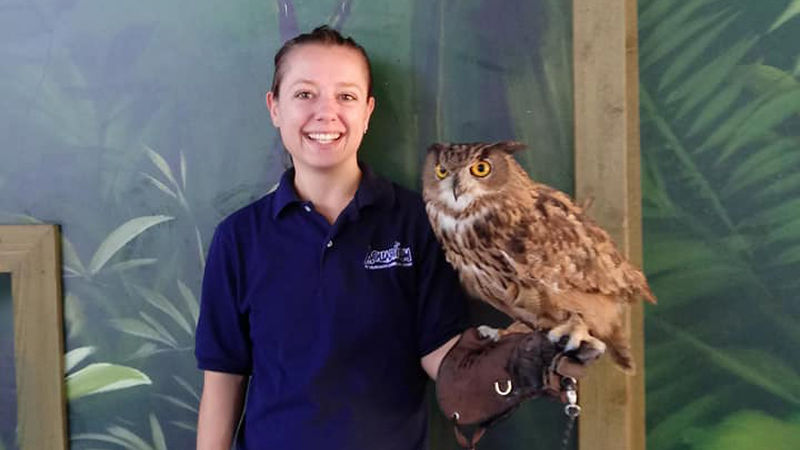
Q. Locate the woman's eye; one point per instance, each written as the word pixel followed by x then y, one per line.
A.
pixel 480 169
pixel 348 97
pixel 303 95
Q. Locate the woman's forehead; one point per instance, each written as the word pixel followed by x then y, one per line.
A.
pixel 342 62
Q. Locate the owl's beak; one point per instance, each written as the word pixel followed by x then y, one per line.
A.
pixel 456 190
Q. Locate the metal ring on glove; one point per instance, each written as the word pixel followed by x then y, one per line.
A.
pixel 505 391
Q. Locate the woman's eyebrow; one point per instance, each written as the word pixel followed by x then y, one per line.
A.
pixel 349 85
pixel 302 81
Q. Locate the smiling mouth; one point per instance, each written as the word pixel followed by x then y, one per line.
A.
pixel 324 138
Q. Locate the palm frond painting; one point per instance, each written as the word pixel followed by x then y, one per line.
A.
pixel 720 124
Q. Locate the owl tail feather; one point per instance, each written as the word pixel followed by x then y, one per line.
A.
pixel 622 358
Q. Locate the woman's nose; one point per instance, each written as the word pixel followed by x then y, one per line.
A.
pixel 327 109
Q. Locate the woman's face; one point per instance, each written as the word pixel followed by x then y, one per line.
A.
pixel 322 109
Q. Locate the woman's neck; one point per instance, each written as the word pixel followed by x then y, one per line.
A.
pixel 330 191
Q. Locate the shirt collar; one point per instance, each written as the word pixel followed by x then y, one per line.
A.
pixel 372 190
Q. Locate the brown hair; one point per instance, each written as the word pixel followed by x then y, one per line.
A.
pixel 324 35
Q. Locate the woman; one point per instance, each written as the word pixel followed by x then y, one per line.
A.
pixel 331 294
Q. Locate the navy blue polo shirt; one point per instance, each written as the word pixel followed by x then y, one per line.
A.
pixel 330 321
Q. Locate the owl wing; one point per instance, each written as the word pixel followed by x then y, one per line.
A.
pixel 555 244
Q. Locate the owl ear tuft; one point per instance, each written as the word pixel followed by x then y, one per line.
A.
pixel 509 147
pixel 436 147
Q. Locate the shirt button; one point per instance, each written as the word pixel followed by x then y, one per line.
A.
pixel 329 244
pixel 307 208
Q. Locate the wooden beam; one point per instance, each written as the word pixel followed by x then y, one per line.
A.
pixel 607 165
pixel 31 254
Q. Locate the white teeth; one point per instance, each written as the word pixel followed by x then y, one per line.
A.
pixel 324 138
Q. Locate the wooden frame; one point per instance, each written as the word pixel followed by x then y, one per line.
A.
pixel 31 254
pixel 607 164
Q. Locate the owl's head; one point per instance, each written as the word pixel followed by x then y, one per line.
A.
pixel 456 175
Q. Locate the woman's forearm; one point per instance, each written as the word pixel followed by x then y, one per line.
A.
pixel 220 409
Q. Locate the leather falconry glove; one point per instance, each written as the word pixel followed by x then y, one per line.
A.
pixel 482 380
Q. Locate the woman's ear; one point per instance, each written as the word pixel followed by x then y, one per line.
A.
pixel 272 106
pixel 370 108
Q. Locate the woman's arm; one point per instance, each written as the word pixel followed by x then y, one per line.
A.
pixel 432 361
pixel 220 409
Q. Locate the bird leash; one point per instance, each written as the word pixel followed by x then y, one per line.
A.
pixel 572 410
pixel 561 382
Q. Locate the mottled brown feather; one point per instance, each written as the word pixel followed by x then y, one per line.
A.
pixel 526 248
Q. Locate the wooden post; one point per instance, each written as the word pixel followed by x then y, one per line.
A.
pixel 607 164
pixel 31 254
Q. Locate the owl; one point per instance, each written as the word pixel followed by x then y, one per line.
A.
pixel 529 251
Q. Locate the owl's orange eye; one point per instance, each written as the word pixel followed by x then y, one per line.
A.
pixel 480 168
pixel 441 172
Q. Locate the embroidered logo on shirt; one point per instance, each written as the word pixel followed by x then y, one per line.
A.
pixel 390 257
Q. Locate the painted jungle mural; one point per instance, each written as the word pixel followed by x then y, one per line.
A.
pixel 137 126
pixel 720 127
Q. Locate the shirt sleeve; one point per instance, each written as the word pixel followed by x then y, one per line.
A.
pixel 443 304
pixel 222 338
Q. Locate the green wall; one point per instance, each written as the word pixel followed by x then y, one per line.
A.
pixel 137 126
pixel 720 127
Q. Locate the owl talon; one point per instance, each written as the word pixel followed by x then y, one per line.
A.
pixel 487 332
pixel 574 338
pixel 585 352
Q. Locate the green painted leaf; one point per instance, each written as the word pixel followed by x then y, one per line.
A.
pixel 73 315
pixel 131 264
pixel 790 255
pixel 775 215
pixel 190 300
pixel 144 351
pixel 162 165
pixel 746 365
pixel 183 170
pixel 121 237
pixel 654 11
pixel 763 120
pixel 716 107
pixel 134 441
pixel 161 186
pixel 103 377
pixel 673 252
pixel 704 81
pixel 136 327
pixel 674 29
pixel 667 430
pixel 791 11
pixel 200 252
pixel 159 441
pixel 101 438
pixel 191 427
pixel 783 185
pixel 729 127
pixel 179 403
pixel 187 386
pixel 164 305
pixel 748 430
pixel 160 329
pixel 765 164
pixel 696 282
pixel 72 261
pixel 692 53
pixel 73 357
pixel 765 79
